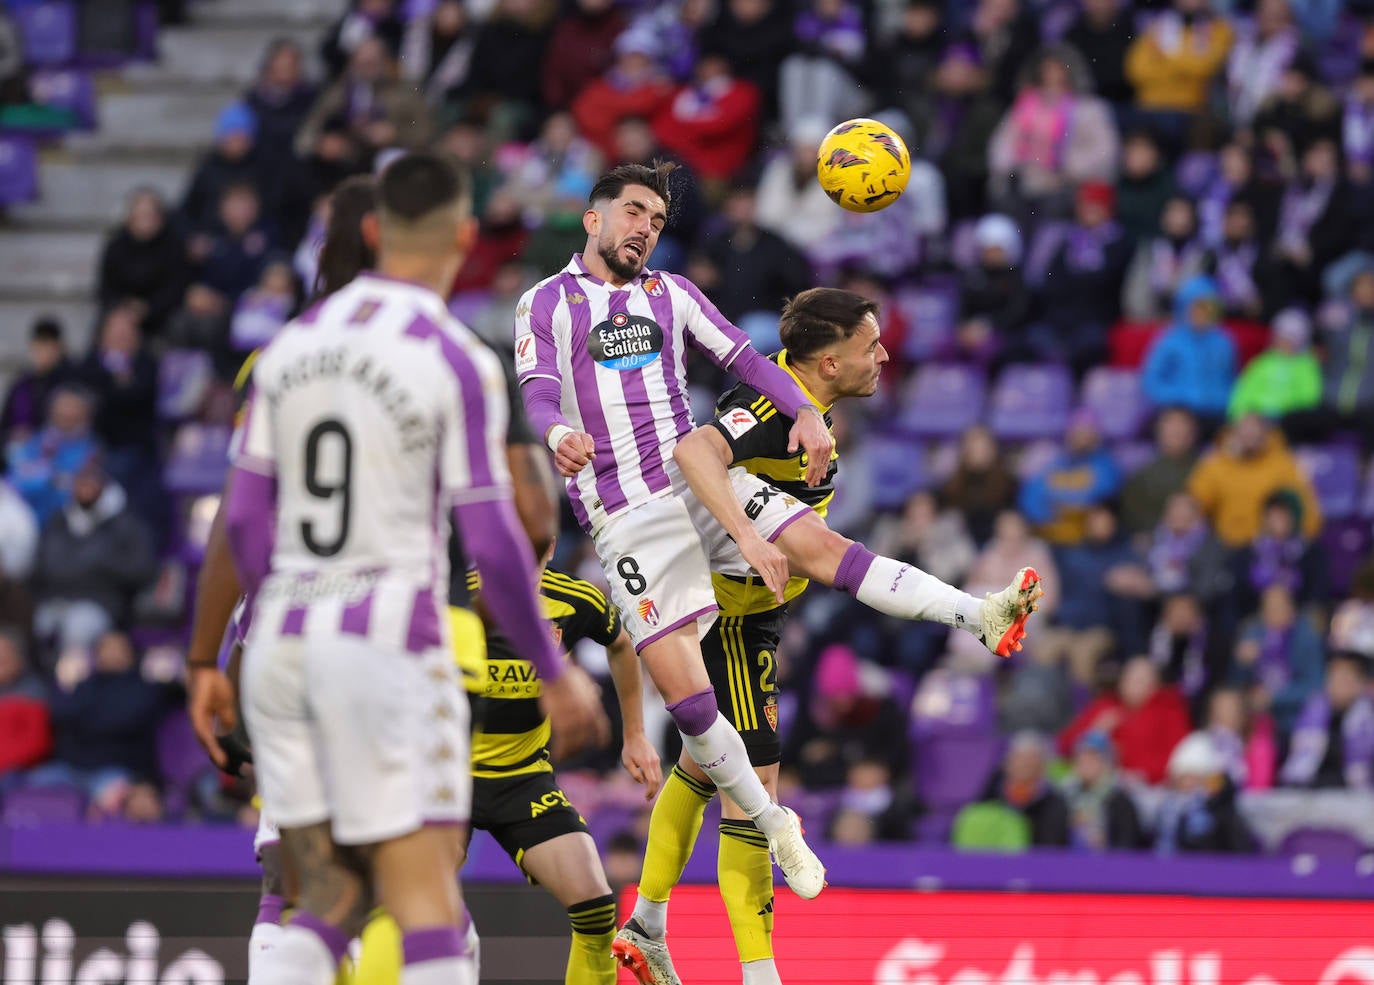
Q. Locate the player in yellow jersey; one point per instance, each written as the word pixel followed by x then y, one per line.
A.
pixel 833 351
pixel 516 796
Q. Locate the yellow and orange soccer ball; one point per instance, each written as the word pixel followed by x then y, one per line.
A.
pixel 863 165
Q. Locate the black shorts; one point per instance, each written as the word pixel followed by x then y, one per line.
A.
pixel 523 811
pixel 740 653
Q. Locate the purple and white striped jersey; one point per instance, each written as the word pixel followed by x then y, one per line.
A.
pixel 619 355
pixel 370 416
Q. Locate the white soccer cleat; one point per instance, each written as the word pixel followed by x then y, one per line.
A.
pixel 800 866
pixel 1005 614
pixel 645 956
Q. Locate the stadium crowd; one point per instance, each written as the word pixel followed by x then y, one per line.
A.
pixel 1128 292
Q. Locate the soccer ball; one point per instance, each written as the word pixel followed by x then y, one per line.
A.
pixel 863 165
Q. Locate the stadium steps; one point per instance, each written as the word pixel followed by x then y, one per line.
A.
pixel 154 121
pixel 89 194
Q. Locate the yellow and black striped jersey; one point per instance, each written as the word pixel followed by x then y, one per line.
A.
pixel 758 437
pixel 513 737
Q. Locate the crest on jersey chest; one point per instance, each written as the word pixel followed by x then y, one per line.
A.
pixel 624 341
pixel 654 287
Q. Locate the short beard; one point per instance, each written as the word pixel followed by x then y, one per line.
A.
pixel 623 270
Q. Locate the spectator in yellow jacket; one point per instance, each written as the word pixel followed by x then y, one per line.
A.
pixel 1172 63
pixel 1251 461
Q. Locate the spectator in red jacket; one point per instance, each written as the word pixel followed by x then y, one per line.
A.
pixel 580 50
pixel 1144 719
pixel 635 85
pixel 713 123
pixel 25 725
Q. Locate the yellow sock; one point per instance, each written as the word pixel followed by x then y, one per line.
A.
pixel 673 829
pixel 593 928
pixel 745 873
pixel 380 962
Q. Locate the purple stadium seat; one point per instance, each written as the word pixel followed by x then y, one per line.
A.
pixel 18 171
pixel 1031 402
pixel 963 249
pixel 943 401
pixel 47 33
pixel 1335 474
pixel 931 313
pixel 33 807
pixel 1116 399
pixel 69 88
pixel 1348 543
pixel 898 465
pixel 198 460
pixel 941 461
pixel 1332 844
pixel 180 760
pixel 815 807
pixel 466 304
pixel 184 378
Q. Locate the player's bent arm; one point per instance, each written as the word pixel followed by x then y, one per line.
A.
pixel 638 754
pixel 705 458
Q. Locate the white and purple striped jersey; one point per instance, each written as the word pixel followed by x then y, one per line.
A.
pixel 620 357
pixel 372 414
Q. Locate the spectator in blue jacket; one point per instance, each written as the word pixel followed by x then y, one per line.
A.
pixel 1058 499
pixel 1281 653
pixel 43 467
pixel 1193 364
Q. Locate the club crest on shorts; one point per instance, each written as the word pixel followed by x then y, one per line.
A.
pixel 770 712
pixel 648 611
pixel 654 287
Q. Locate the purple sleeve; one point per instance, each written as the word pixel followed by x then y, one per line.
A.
pixel 771 380
pixel 543 400
pixel 250 515
pixel 494 541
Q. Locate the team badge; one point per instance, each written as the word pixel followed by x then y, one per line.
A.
pixel 557 633
pixel 648 611
pixel 770 712
pixel 654 287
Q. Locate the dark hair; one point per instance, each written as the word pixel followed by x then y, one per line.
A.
pixel 653 177
pixel 345 254
pixel 820 317
pixel 46 328
pixel 418 184
pixel 239 188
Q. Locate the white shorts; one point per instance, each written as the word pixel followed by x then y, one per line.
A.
pixel 658 556
pixel 373 740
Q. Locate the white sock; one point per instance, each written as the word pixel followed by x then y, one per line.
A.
pixel 907 592
pixel 721 753
pixel 437 956
pixel 262 944
pixel 444 971
pixel 652 916
pixel 761 972
pixel 474 946
pixel 299 957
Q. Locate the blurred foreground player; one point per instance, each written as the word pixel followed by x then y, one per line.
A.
pixel 516 795
pixel 352 700
pixel 832 348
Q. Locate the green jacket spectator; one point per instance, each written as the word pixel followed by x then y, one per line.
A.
pixel 1285 377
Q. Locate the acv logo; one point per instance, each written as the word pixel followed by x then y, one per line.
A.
pixel 917 962
pixel 139 963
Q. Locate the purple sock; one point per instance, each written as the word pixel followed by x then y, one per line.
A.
pixel 433 944
pixel 695 713
pixel 854 568
pixel 332 937
pixel 269 908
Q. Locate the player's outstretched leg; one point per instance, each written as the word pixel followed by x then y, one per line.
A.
pixel 898 589
pixel 674 662
pixel 569 867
